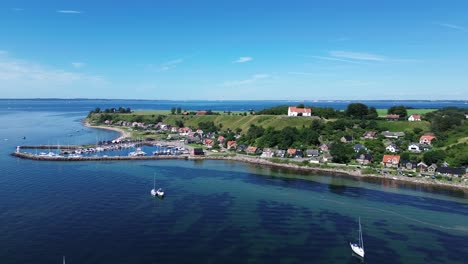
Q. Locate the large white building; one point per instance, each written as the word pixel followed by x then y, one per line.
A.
pixel 294 111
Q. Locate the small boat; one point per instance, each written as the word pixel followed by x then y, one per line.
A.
pixel 159 192
pixel 358 248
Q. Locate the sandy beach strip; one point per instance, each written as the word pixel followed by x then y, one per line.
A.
pixel 123 134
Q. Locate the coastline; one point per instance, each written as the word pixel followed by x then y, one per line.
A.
pixel 421 182
pixel 123 134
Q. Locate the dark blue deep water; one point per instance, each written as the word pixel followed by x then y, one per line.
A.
pixel 214 212
pixel 85 105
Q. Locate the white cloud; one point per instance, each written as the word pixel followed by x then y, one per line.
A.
pixel 166 66
pixel 452 26
pixel 243 59
pixel 78 65
pixel 335 59
pixel 254 78
pixel 69 11
pixel 22 78
pixel 356 55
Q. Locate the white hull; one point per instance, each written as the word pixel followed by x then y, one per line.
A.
pixel 153 192
pixel 357 250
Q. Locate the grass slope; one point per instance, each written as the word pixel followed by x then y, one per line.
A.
pixel 383 112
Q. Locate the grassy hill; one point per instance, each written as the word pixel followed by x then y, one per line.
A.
pixel 383 112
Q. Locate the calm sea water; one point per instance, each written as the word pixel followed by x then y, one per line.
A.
pixel 82 105
pixel 214 212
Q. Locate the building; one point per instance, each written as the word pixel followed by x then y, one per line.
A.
pixel 358 147
pixel 346 139
pixel 427 138
pixel 395 135
pixel 232 144
pixel 221 139
pixel 294 111
pixel 280 153
pixel 390 160
pixel 291 152
pixel 370 135
pixel 393 117
pixel 422 167
pixel 415 147
pixel 267 153
pixel 392 148
pixel 208 142
pixel 198 152
pixel 312 153
pixel 364 158
pixel 414 117
pixel 252 150
pixel 450 171
pixel 324 147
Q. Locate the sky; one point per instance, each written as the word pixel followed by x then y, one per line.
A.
pixel 234 50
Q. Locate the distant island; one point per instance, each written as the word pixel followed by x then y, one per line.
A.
pixel 417 145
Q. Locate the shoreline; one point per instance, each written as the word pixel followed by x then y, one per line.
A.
pixel 422 182
pixel 123 134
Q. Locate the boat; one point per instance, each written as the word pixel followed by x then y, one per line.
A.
pixel 358 248
pixel 159 192
pixel 137 153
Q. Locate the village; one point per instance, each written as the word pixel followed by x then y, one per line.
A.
pixel 400 155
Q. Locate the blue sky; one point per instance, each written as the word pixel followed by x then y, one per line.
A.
pixel 220 50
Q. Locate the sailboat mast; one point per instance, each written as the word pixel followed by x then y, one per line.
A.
pixel 154 182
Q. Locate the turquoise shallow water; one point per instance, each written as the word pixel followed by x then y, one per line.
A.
pixel 214 212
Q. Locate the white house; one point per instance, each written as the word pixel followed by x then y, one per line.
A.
pixel 414 117
pixel 392 148
pixel 415 147
pixel 294 111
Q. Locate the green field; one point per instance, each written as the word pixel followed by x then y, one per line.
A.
pixel 401 126
pixel 383 112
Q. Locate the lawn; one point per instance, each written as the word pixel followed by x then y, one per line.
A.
pixel 383 112
pixel 396 126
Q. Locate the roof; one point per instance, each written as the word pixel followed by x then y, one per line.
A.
pixel 451 170
pixel 364 156
pixel 232 142
pixel 348 138
pixel 427 137
pixel 415 116
pixel 251 148
pixel 291 151
pixel 390 158
pixel 299 110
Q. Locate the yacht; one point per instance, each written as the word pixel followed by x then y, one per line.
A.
pixel 358 248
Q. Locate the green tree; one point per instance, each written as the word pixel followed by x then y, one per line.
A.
pixel 173 110
pixel 434 156
pixel 398 110
pixel 357 110
pixel 300 106
pixel 341 152
pixel 179 110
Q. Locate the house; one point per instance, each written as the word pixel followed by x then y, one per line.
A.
pixel 241 148
pixel 391 160
pixel 232 144
pixel 324 147
pixel 432 168
pixel 392 148
pixel 327 157
pixel 294 111
pixel 252 150
pixel 427 138
pixel 364 158
pixel 314 160
pixel 389 134
pixel 312 153
pixel 358 147
pixel 414 117
pixel 221 139
pixel 346 139
pixel 184 131
pixel 415 147
pixel 280 153
pixel 370 135
pixel 422 167
pixel 173 136
pixel 291 152
pixel 208 142
pixel 190 140
pixel 393 117
pixel 199 132
pixel 198 152
pixel 299 154
pixel 450 171
pixel 267 153
pixel 201 112
pixel 409 165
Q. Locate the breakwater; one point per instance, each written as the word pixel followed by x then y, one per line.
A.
pixel 24 155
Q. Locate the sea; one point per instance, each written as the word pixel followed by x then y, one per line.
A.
pixel 214 211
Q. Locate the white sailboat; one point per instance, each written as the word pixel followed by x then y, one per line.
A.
pixel 358 248
pixel 63 259
pixel 159 192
